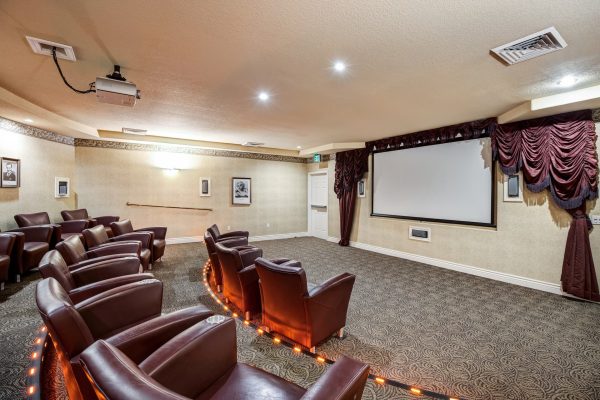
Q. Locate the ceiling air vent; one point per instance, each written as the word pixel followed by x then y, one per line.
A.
pixel 538 44
pixel 44 47
pixel 253 144
pixel 134 131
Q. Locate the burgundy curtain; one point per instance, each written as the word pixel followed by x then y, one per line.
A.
pixel 350 166
pixel 558 153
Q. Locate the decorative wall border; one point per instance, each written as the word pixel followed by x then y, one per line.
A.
pixel 32 131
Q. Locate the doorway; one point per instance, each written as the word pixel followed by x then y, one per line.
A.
pixel 317 204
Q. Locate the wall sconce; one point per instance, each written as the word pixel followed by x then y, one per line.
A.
pixel 170 171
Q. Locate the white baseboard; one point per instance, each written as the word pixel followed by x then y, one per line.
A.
pixel 467 269
pixel 197 239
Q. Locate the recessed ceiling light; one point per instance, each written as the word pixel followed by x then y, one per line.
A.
pixel 339 66
pixel 264 96
pixel 298 147
pixel 28 120
pixel 567 81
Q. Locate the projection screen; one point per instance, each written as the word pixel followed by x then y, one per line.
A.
pixel 450 182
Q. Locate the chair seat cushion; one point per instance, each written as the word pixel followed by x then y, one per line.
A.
pixel 246 382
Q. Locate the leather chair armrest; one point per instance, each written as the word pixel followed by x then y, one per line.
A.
pixel 92 222
pixel 74 226
pixel 209 348
pixel 292 263
pixel 106 219
pixel 249 255
pixel 37 233
pixel 234 233
pixel 105 269
pixel 327 304
pixel 85 263
pixel 122 307
pixel 160 232
pixel 125 247
pixel 248 275
pixel 321 292
pixel 145 237
pixel 142 340
pixel 7 242
pixel 345 379
pixel 117 377
pixel 82 293
pixel 16 262
pixel 234 242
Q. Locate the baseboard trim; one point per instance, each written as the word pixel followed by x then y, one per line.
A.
pixel 467 269
pixel 197 239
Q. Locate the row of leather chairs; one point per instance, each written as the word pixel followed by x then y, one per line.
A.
pixel 278 290
pixel 22 248
pixel 104 318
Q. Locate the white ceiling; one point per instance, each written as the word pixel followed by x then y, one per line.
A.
pixel 413 64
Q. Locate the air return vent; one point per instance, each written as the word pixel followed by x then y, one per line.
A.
pixel 253 144
pixel 44 47
pixel 134 131
pixel 538 44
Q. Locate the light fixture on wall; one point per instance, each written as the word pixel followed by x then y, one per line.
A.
pixel 170 171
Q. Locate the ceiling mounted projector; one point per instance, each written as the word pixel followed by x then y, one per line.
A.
pixel 114 89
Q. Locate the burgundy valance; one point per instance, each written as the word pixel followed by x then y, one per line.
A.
pixel 350 166
pixel 556 152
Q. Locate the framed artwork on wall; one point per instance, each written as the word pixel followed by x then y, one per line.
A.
pixel 362 188
pixel 62 187
pixel 11 172
pixel 241 191
pixel 204 187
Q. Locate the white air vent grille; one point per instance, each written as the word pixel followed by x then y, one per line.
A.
pixel 44 47
pixel 134 131
pixel 538 44
pixel 253 144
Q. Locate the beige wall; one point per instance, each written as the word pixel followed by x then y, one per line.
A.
pixel 109 178
pixel 41 162
pixel 529 240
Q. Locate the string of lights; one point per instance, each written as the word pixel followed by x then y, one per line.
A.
pixel 32 379
pixel 281 341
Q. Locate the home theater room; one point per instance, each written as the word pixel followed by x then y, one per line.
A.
pixel 285 199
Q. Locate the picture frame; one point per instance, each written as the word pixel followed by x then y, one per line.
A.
pixel 204 187
pixel 513 188
pixel 10 169
pixel 241 191
pixel 62 187
pixel 361 188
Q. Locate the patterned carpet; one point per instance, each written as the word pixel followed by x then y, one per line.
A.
pixel 429 327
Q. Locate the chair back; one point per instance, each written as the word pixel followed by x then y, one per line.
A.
pixel 283 291
pixel 54 266
pixel 230 262
pixel 69 215
pixel 214 231
pixel 7 241
pixel 40 218
pixel 217 275
pixel 95 236
pixel 72 250
pixel 121 227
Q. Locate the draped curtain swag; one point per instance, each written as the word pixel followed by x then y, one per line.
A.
pixel 558 153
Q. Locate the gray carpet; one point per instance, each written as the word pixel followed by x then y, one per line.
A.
pixel 436 329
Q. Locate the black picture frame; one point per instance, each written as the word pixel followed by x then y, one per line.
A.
pixel 241 191
pixel 7 173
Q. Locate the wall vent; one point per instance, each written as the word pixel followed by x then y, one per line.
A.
pixel 253 144
pixel 134 131
pixel 419 233
pixel 44 47
pixel 535 45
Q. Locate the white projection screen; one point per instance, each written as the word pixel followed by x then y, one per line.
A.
pixel 450 182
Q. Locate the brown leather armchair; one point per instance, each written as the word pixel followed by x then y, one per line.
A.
pixel 218 236
pixel 216 275
pixel 211 349
pixel 306 316
pixel 73 252
pixel 240 280
pixel 96 237
pixel 31 244
pixel 82 213
pixel 7 242
pixel 60 231
pixel 127 316
pixel 86 279
pixel 158 241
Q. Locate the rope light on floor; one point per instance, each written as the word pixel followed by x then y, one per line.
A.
pixel 296 349
pixel 32 377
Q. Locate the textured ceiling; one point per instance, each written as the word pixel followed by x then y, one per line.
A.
pixel 414 64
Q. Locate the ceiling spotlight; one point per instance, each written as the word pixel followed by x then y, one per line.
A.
pixel 339 67
pixel 298 147
pixel 28 120
pixel 264 96
pixel 567 81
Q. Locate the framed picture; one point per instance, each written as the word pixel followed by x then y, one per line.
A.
pixel 11 172
pixel 241 191
pixel 204 187
pixel 362 188
pixel 513 188
pixel 62 187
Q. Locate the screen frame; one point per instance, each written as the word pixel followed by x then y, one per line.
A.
pixel 492 224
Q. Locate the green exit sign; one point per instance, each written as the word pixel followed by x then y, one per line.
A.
pixel 316 157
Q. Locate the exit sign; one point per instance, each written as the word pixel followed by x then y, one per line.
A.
pixel 316 157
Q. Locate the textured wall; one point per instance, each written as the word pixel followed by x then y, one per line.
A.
pixel 41 161
pixel 109 178
pixel 529 240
